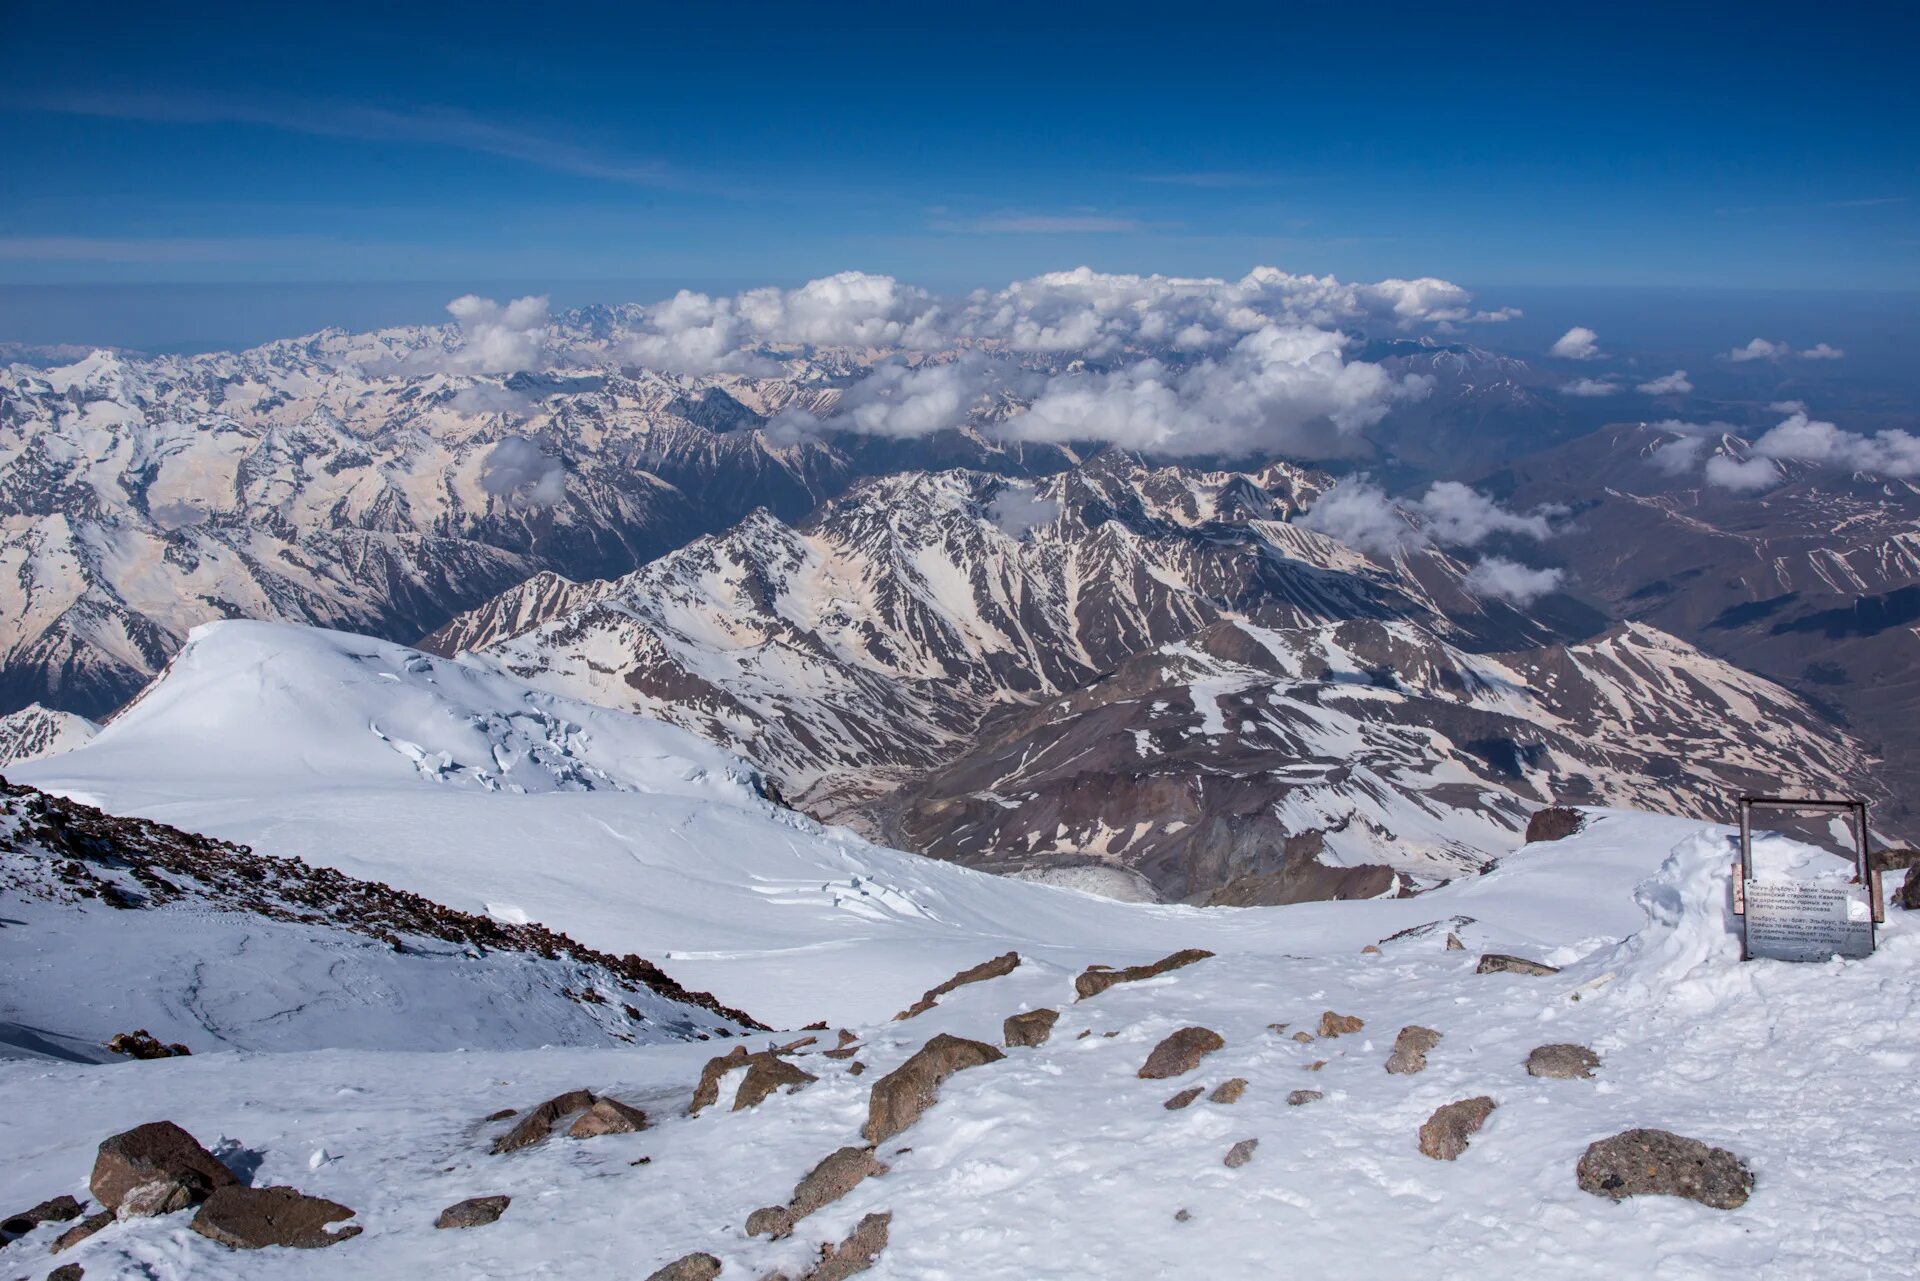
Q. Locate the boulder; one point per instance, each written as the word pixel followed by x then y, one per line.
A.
pixel 254 1218
pixel 1299 1097
pixel 1183 1098
pixel 855 1254
pixel 158 1152
pixel 766 1073
pixel 1910 891
pixel 1500 963
pixel 1562 1062
pixel 1228 1091
pixel 688 1267
pixel 1332 1024
pixel 538 1124
pixel 827 1182
pixel 142 1045
pixel 608 1116
pixel 1240 1153
pixel 1000 965
pixel 1454 944
pixel 82 1230
pixel 1098 978
pixel 1410 1050
pixel 1180 1052
pixel 901 1095
pixel 67 1272
pixel 1444 1136
pixel 59 1209
pixel 1554 823
pixel 474 1212
pixel 1658 1163
pixel 1031 1028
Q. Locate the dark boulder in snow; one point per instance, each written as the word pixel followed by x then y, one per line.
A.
pixel 1910 891
pixel 1180 1052
pixel 1410 1050
pixel 901 1095
pixel 827 1182
pixel 1000 965
pixel 67 1272
pixel 855 1254
pixel 608 1116
pixel 1332 1024
pixel 162 1163
pixel 59 1209
pixel 1554 823
pixel 1299 1097
pixel 1098 978
pixel 254 1218
pixel 538 1124
pixel 143 1045
pixel 766 1072
pixel 82 1230
pixel 474 1212
pixel 1184 1098
pixel 1562 1062
pixel 1031 1028
pixel 1444 1136
pixel 1240 1153
pixel 1228 1091
pixel 1500 963
pixel 1658 1163
pixel 688 1267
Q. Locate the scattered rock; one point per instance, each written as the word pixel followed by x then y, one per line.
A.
pixel 1278 1029
pixel 766 1073
pixel 538 1124
pixel 855 1254
pixel 608 1116
pixel 848 1047
pixel 82 1230
pixel 1410 1050
pixel 1031 1028
pixel 1499 963
pixel 67 1272
pixel 1444 1136
pixel 825 1183
pixel 1299 1097
pixel 142 1045
pixel 503 1114
pixel 688 1267
pixel 1229 1091
pixel 1562 1062
pixel 1183 1098
pixel 474 1212
pixel 59 1209
pixel 1098 978
pixel 999 966
pixel 856 1068
pixel 253 1218
pixel 1332 1024
pixel 1554 823
pixel 1305 1038
pixel 1454 944
pixel 1180 1052
pixel 1181 1216
pixel 1316 1065
pixel 158 1152
pixel 1240 1153
pixel 1657 1163
pixel 901 1095
pixel 1370 950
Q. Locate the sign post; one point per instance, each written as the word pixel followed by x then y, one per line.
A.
pixel 1807 920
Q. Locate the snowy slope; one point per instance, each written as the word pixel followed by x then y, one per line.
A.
pixel 35 731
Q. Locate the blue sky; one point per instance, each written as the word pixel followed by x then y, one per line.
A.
pixel 1733 147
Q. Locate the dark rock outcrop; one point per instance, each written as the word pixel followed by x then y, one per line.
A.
pixel 827 1182
pixel 82 1230
pixel 1240 1153
pixel 1184 1098
pixel 474 1212
pixel 142 1045
pixel 161 1163
pixel 1228 1091
pixel 766 1072
pixel 1098 978
pixel 1554 823
pixel 538 1124
pixel 901 1095
pixel 688 1267
pixel 254 1218
pixel 1034 1027
pixel 1659 1163
pixel 1500 963
pixel 1332 1024
pixel 608 1116
pixel 1445 1134
pixel 1410 1050
pixel 1299 1097
pixel 59 1209
pixel 999 966
pixel 1562 1062
pixel 1180 1052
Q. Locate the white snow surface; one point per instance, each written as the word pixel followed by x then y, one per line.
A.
pixel 1055 1163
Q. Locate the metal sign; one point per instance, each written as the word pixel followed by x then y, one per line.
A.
pixel 1789 920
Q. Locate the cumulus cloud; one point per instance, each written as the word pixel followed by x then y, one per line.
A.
pixel 1798 438
pixel 1674 384
pixel 1020 506
pixel 497 339
pixel 1679 456
pixel 1498 578
pixel 1578 343
pixel 1360 514
pixel 1764 349
pixel 516 469
pixel 1821 351
pixel 489 398
pixel 1589 387
pixel 904 400
pixel 1743 475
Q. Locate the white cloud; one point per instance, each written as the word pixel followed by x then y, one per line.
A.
pixel 1508 580
pixel 1743 475
pixel 1821 351
pixel 898 399
pixel 1802 439
pixel 516 469
pixel 1674 384
pixel 1360 514
pixel 1679 456
pixel 1589 387
pixel 497 339
pixel 489 398
pixel 1759 349
pixel 1578 343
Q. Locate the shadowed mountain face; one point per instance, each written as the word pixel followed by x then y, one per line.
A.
pixel 1814 583
pixel 1249 764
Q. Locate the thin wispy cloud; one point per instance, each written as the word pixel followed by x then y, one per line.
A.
pixel 1040 224
pixel 421 125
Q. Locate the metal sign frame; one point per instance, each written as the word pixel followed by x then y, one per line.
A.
pixel 1864 871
